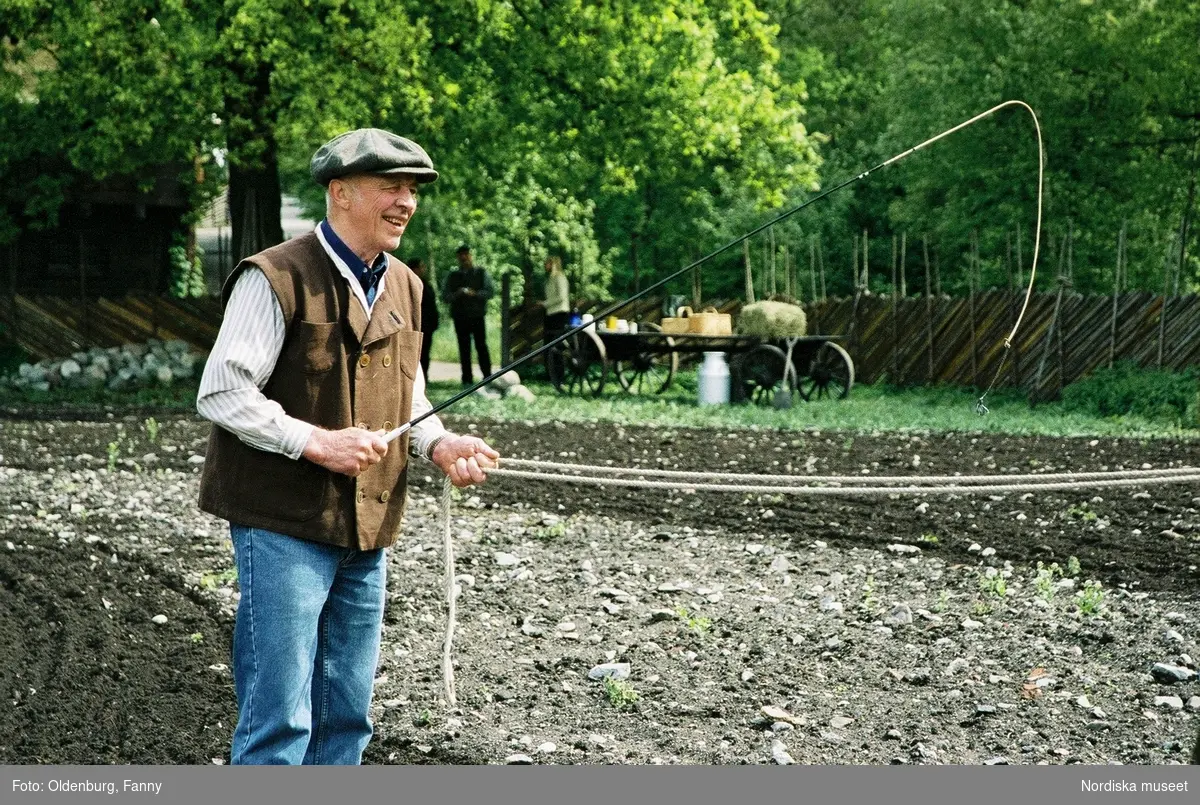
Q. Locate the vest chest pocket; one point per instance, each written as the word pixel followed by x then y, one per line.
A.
pixel 408 351
pixel 314 346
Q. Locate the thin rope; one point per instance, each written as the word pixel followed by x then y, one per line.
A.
pixel 848 480
pixel 840 491
pixel 448 551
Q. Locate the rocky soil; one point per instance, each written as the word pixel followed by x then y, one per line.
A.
pixel 752 629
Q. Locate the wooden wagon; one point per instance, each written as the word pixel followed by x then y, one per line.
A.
pixel 646 362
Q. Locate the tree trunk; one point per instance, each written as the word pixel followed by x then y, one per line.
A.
pixel 254 202
pixel 254 193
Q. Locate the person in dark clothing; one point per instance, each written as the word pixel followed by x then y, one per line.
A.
pixel 467 290
pixel 429 312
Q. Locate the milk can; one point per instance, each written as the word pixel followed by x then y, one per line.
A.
pixel 714 379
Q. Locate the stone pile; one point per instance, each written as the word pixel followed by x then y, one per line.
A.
pixel 507 385
pixel 129 366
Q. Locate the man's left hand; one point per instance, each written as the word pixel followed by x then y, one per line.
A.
pixel 464 459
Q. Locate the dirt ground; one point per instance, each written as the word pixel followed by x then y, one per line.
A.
pixel 756 629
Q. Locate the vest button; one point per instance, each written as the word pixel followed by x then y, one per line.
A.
pixel 361 496
pixel 364 360
pixel 387 360
pixel 362 426
pixel 387 425
pixel 384 496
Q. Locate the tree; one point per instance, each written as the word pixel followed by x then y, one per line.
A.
pixel 648 110
pixel 124 86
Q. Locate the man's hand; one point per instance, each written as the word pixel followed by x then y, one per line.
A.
pixel 348 451
pixel 464 459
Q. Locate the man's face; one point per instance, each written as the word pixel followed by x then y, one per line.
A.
pixel 464 259
pixel 379 210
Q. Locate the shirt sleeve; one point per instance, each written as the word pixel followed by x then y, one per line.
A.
pixel 242 360
pixel 426 434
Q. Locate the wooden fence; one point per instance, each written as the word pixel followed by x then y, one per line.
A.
pixel 959 341
pixel 54 327
pixel 912 341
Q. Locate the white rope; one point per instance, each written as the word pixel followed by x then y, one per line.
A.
pixel 448 550
pixel 839 491
pixel 848 480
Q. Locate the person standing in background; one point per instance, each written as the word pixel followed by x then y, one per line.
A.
pixel 558 300
pixel 467 290
pixel 429 312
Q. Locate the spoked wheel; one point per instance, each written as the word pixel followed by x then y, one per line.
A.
pixel 762 373
pixel 829 376
pixel 648 372
pixel 578 365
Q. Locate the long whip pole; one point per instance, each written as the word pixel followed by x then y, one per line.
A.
pixel 394 434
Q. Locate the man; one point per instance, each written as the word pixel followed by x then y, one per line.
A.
pixel 429 312
pixel 316 359
pixel 467 290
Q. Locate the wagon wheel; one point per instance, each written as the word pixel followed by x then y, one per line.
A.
pixel 578 365
pixel 648 372
pixel 762 372
pixel 830 375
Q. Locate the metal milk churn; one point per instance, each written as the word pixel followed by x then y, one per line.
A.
pixel 714 379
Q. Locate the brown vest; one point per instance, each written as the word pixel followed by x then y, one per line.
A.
pixel 336 369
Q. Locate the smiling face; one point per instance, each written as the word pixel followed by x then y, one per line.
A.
pixel 371 212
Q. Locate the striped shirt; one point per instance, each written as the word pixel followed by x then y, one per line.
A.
pixel 244 356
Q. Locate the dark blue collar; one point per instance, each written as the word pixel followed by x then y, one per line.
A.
pixel 368 275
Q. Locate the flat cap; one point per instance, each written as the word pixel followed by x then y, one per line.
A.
pixel 371 151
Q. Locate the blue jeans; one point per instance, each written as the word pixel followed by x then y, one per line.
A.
pixel 305 648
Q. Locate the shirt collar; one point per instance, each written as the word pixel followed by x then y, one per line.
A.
pixel 367 275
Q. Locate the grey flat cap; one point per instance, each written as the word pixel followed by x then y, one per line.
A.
pixel 371 151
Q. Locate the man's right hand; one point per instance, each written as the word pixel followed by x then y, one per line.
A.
pixel 348 451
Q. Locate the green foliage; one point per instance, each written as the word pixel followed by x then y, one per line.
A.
pixel 151 425
pixel 211 581
pixel 867 409
pixel 620 693
pixel 552 532
pixel 1128 389
pixel 694 623
pixel 1073 568
pixel 887 74
pixel 868 590
pixel 636 136
pixel 992 583
pixel 1045 582
pixel 943 600
pixel 1090 599
pixel 187 276
pixel 1082 512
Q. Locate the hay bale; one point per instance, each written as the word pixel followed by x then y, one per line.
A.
pixel 772 320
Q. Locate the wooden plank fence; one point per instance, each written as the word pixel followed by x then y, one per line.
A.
pixel 959 341
pixel 955 341
pixel 54 327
